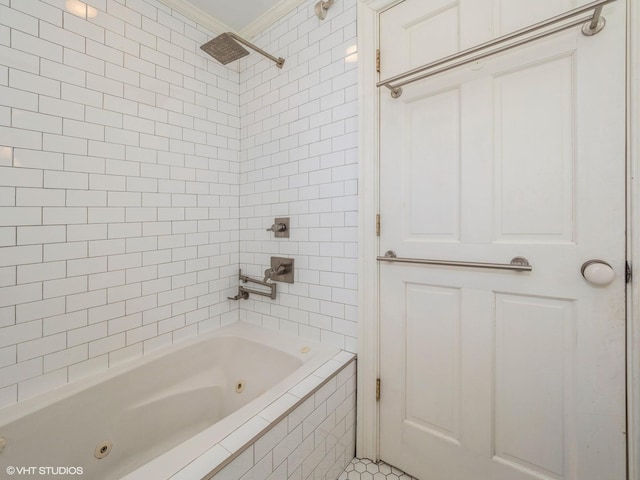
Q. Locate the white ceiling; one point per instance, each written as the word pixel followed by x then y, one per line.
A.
pixel 245 17
pixel 237 14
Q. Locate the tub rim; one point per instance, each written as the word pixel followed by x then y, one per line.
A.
pixel 238 328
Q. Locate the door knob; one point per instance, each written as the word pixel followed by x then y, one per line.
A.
pixel 598 272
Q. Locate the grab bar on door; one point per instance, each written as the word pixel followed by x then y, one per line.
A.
pixel 591 25
pixel 518 264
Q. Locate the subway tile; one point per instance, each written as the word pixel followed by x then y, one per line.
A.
pixel 83 163
pixel 65 358
pixel 83 63
pixel 19 333
pixel 83 28
pixel 35 197
pixel 20 372
pixel 7 276
pixel 69 180
pixel 64 144
pixel 105 85
pixel 106 312
pixel 64 322
pixel 38 272
pixel 6 156
pixel 122 43
pixel 106 345
pixel 39 309
pixel 66 286
pixel 18 20
pixel 41 346
pixel 87 334
pixel 36 121
pixel 111 151
pixel 61 108
pixel 84 96
pixel 77 233
pixel 123 13
pixel 63 215
pixel 103 52
pixel 62 37
pixel 19 294
pixel 35 46
pixel 65 251
pixel 8 356
pixel 7 196
pixel 70 75
pixel 15 137
pixel 83 301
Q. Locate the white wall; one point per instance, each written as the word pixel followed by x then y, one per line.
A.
pixel 118 188
pixel 125 154
pixel 299 159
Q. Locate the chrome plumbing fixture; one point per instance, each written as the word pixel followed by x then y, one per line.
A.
pixel 517 264
pixel 281 270
pixel 226 48
pixel 322 7
pixel 591 25
pixel 243 292
pixel 269 273
pixel 280 228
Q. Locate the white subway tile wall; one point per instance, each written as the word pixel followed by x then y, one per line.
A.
pixel 119 187
pixel 315 441
pixel 299 159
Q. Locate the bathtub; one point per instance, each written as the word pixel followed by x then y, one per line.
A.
pixel 186 411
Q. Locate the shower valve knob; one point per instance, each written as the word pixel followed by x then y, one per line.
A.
pixel 277 227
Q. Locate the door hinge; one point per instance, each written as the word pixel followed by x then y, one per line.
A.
pixel 377 389
pixel 628 272
pixel 378 60
pixel 378 225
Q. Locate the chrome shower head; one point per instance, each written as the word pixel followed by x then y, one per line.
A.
pixel 225 49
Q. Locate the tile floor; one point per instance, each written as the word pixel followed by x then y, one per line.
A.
pixel 363 469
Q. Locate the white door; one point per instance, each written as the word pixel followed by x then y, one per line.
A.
pixel 489 374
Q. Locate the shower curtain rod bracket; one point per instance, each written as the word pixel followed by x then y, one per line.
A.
pixel 321 8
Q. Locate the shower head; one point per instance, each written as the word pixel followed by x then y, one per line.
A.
pixel 225 49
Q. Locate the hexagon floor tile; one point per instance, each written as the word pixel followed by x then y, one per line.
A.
pixel 363 469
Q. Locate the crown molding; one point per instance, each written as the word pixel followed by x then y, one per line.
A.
pixel 269 17
pixel 197 15
pixel 265 20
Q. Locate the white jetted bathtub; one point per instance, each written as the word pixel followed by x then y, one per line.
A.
pixel 183 412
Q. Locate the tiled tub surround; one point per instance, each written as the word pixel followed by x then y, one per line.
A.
pixel 314 439
pixel 119 143
pixel 183 401
pixel 299 160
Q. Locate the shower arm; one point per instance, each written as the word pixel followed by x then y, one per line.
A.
pixel 278 61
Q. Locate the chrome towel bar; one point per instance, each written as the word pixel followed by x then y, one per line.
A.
pixel 591 25
pixel 518 264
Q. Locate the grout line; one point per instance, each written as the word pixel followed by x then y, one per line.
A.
pixel 271 425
